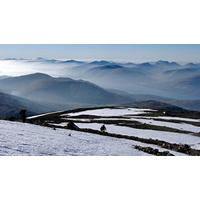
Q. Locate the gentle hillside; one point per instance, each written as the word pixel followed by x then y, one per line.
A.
pixel 28 139
pixel 46 89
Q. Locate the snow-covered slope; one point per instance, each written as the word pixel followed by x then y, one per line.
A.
pixel 145 133
pixel 112 112
pixel 128 127
pixel 27 139
pixel 179 126
pixel 173 118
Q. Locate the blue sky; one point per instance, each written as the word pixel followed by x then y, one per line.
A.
pixel 132 53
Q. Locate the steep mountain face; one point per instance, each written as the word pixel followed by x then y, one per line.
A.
pixel 10 106
pixel 46 89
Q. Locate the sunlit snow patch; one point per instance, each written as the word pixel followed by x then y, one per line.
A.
pixel 106 112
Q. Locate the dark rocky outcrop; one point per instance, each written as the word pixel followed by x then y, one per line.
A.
pixel 153 151
pixel 71 125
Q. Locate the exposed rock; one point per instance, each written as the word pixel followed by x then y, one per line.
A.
pixel 103 128
pixel 71 125
pixel 150 150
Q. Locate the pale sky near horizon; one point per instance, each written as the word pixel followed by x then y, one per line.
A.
pixel 116 52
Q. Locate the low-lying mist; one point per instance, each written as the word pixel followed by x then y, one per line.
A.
pixel 162 78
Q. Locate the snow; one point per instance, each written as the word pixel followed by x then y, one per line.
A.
pixel 171 137
pixel 96 126
pixel 196 146
pixel 131 114
pixel 26 139
pixel 174 118
pixel 44 114
pixel 77 119
pixel 179 126
pixel 111 112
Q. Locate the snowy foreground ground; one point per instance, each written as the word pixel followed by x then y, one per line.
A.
pixel 28 139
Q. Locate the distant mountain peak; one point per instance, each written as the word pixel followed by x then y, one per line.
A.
pixel 40 58
pixel 38 74
pixel 35 76
pixel 71 61
pixel 191 64
pixel 145 64
pixel 13 59
pixel 110 66
pixel 165 62
pixel 100 62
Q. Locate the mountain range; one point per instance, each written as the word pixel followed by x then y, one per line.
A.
pixel 161 78
pixel 66 92
pixel 62 84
